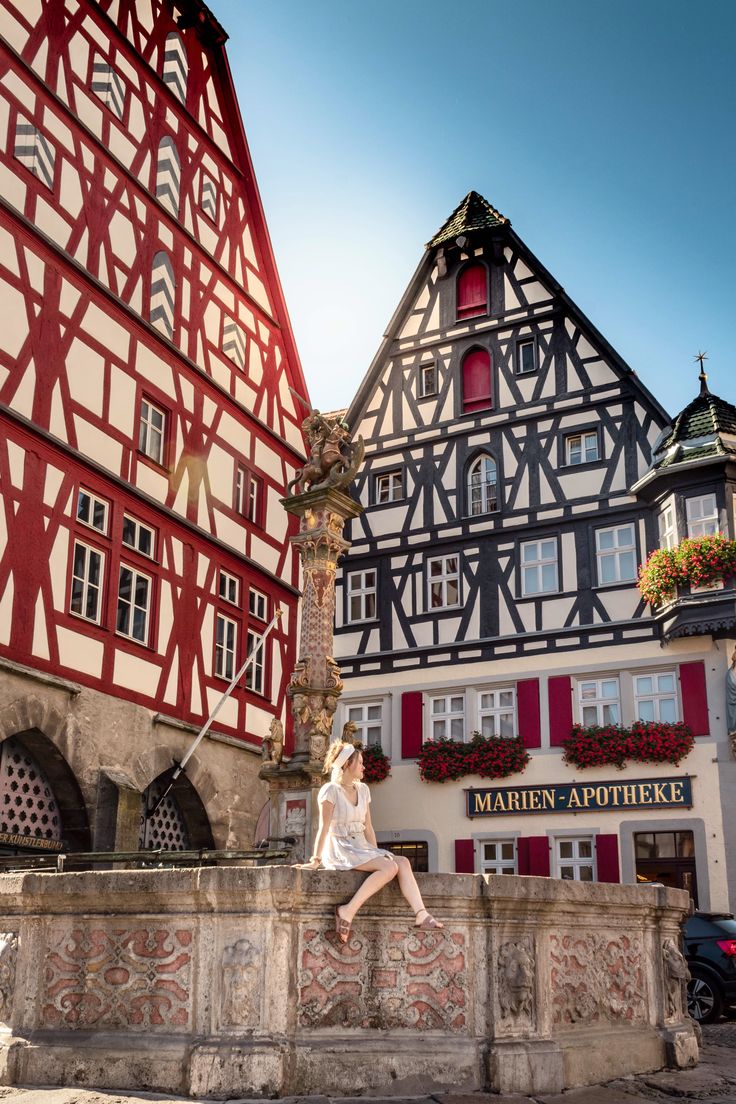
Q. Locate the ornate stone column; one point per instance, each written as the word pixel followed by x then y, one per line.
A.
pixel 323 508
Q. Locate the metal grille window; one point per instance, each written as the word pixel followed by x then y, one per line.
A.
pixel 526 357
pixel 702 516
pixel 228 587
pixel 427 380
pixel 109 86
pixel 255 674
pixel 86 596
pixel 616 554
pixel 483 485
pixel 362 595
pixel 667 524
pixel 443 579
pixel 257 604
pixel 233 342
pixel 498 857
pixel 163 294
pixel 151 430
pixel 655 697
pixel 388 486
pixel 166 829
pixel 226 637
pixel 27 803
pixel 248 495
pixel 134 603
pixel 209 197
pixel 34 151
pixel 92 511
pixel 575 861
pixel 539 567
pixel 497 713
pixel 447 717
pixel 581 448
pixel 368 717
pixel 168 175
pixel 138 535
pixel 599 701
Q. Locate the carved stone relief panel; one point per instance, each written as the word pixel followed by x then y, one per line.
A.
pixel 9 944
pixel 515 978
pixel 676 976
pixel 241 983
pixel 597 977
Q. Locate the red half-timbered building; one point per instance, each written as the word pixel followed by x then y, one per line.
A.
pixel 151 399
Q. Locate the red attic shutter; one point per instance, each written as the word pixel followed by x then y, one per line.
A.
pixel 464 856
pixel 527 701
pixel 533 855
pixel 559 690
pixel 472 291
pixel 477 380
pixel 694 697
pixel 606 855
pixel 411 724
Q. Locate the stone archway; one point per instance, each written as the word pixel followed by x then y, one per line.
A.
pixel 181 821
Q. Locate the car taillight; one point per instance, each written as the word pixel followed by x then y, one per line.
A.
pixel 728 946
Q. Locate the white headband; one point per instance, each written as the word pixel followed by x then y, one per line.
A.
pixel 345 754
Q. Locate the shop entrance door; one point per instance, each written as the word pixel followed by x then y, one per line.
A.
pixel 667 857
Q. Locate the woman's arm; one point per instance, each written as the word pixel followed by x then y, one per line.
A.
pixel 326 810
pixel 370 834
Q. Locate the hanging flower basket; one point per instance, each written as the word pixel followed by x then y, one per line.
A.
pixel 696 561
pixel 487 756
pixel 376 763
pixel 613 745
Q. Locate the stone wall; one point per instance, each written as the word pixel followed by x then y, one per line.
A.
pixel 228 982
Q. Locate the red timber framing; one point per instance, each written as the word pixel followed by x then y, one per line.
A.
pixel 89 349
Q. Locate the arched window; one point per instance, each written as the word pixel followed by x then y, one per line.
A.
pixel 482 485
pixel 176 67
pixel 472 291
pixel 168 175
pixel 477 380
pixel 163 294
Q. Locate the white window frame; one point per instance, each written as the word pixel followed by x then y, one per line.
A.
pixel 616 553
pixel 357 712
pixel 486 501
pixel 577 448
pixel 255 675
pixel 388 486
pixel 576 861
pixel 494 711
pixel 139 527
pixel 84 579
pixel 525 344
pixel 361 591
pixel 226 645
pixel 93 502
pixel 447 722
pixel 247 494
pixel 427 371
pixel 501 864
pixel 700 523
pixel 257 604
pixel 598 700
pixel 442 580
pixel 537 565
pixel 667 525
pixel 151 437
pixel 133 606
pixel 656 696
pixel 228 587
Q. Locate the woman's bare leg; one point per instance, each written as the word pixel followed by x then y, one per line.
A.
pixel 382 871
pixel 409 888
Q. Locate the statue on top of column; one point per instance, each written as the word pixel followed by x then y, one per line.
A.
pixel 333 458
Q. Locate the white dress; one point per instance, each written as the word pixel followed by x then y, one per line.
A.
pixel 346 846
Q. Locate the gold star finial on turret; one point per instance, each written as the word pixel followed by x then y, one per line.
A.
pixel 701 358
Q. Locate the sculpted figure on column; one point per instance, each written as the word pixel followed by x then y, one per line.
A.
pixel 333 458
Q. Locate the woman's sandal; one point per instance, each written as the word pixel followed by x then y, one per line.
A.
pixel 342 926
pixel 428 923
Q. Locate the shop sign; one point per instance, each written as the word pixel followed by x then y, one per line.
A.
pixel 575 797
pixel 17 839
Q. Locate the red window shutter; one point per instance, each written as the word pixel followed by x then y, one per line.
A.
pixel 539 856
pixel 527 702
pixel 606 854
pixel 472 291
pixel 522 855
pixel 694 698
pixel 559 690
pixel 464 857
pixel 477 380
pixel 411 724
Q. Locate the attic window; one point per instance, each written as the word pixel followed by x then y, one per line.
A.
pixel 472 291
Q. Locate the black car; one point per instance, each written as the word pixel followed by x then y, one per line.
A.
pixel 710 949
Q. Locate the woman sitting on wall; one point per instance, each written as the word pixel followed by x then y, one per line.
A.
pixel 346 841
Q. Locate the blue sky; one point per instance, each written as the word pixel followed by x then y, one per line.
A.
pixel 605 131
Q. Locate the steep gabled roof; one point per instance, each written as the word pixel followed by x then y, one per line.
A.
pixel 705 428
pixel 472 213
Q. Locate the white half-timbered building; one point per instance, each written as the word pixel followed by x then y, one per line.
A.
pixel 491 583
pixel 151 399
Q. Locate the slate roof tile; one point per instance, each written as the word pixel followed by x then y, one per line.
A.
pixel 472 213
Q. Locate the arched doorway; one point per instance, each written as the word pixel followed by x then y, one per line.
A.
pixel 179 822
pixel 41 804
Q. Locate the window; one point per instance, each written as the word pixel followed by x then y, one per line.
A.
pixel 362 595
pixel 702 516
pixel 138 536
pixel 168 175
pixel 417 852
pixel 108 86
pixel 539 567
pixel 472 291
pixel 226 637
pixel 667 523
pixel 228 587
pixel 175 66
pixel 447 717
pixel 526 357
pixel 163 294
pixel 151 431
pixel 616 554
pixel 581 448
pixel 92 510
pixel 483 485
pixel 388 487
pixel 368 716
pixel 497 713
pixel 209 197
pixel 599 702
pixel 655 697
pixel 575 859
pixel 667 858
pixel 34 151
pixel 134 601
pixel 427 380
pixel 443 576
pixel 86 594
pixel 233 342
pixel 255 674
pixel 498 857
pixel 257 604
pixel 248 494
pixel 477 380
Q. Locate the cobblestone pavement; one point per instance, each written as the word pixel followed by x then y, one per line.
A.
pixel 714 1080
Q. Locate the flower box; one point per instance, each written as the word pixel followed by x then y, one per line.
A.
pixel 486 756
pixel 376 763
pixel 614 745
pixel 695 562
